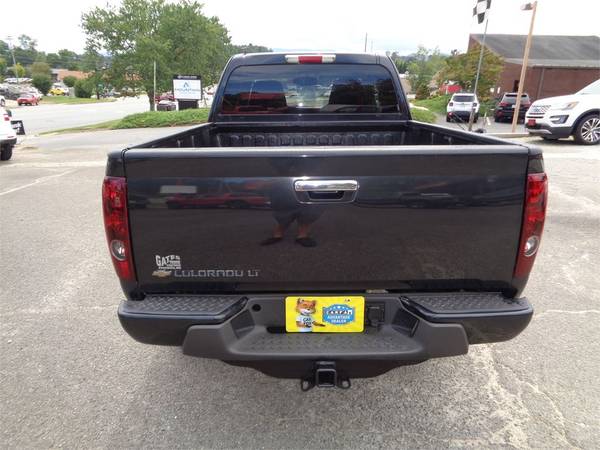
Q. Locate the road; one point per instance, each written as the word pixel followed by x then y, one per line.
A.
pixel 46 117
pixel 70 377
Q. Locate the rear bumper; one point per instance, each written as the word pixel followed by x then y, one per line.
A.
pixel 400 329
pixel 462 114
pixel 543 129
pixel 8 141
pixel 509 113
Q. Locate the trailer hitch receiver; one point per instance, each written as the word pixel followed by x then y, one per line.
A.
pixel 325 375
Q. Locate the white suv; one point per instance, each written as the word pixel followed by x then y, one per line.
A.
pixel 576 115
pixel 459 107
pixel 8 136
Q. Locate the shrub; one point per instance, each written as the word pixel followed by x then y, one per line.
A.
pixel 42 82
pixel 83 89
pixel 153 119
pixel 422 92
pixel 70 80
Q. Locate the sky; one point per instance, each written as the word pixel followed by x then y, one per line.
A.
pixel 329 25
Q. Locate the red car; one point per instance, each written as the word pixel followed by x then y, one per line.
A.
pixel 27 99
pixel 164 96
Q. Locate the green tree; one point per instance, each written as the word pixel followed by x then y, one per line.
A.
pixel 2 68
pixel 68 59
pixel 40 68
pixel 97 69
pixel 139 32
pixel 18 71
pixel 42 82
pixel 54 60
pixel 462 69
pixel 423 68
pixel 401 65
pixel 69 80
pixel 25 51
pixel 83 88
pixel 250 48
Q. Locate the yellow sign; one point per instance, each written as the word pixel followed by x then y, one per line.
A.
pixel 307 314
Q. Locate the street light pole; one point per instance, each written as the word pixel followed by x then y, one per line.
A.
pixel 472 113
pixel 154 88
pixel 527 7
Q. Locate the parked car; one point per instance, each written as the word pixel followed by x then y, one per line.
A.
pixel 166 105
pixel 576 115
pixel 411 241
pixel 506 107
pixel 8 136
pixel 59 89
pixel 164 96
pixel 35 92
pixel 27 99
pixel 460 105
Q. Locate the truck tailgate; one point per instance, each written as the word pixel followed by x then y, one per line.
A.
pixel 394 218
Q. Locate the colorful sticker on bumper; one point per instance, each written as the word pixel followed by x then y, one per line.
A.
pixel 306 314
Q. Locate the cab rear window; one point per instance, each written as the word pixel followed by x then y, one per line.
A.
pixel 512 98
pixel 463 98
pixel 309 88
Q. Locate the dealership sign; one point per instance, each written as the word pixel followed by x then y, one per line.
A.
pixel 187 87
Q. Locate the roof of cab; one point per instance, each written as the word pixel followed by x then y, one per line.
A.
pixel 279 58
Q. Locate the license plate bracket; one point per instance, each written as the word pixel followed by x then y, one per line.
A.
pixel 324 314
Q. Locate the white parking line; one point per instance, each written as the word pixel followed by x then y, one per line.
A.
pixel 36 181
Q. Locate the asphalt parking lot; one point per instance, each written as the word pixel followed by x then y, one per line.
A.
pixel 48 117
pixel 70 377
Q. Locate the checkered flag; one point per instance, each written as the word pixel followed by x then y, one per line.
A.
pixel 481 9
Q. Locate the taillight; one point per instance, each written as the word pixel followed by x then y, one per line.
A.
pixel 6 118
pixel 309 59
pixel 116 224
pixel 534 215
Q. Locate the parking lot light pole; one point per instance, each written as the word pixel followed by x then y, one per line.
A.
pixel 472 113
pixel 154 88
pixel 527 7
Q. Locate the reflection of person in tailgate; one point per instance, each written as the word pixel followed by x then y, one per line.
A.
pixel 305 320
pixel 287 210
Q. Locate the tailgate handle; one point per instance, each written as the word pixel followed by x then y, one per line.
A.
pixel 326 185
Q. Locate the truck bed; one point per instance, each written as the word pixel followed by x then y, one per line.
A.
pixel 285 134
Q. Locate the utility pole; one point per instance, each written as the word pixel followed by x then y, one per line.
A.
pixel 366 36
pixel 472 113
pixel 12 51
pixel 154 88
pixel 527 7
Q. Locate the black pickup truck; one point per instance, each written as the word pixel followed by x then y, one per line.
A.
pixel 311 229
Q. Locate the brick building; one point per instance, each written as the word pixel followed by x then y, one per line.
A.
pixel 558 65
pixel 60 74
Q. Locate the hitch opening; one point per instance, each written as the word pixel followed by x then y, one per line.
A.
pixel 325 375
